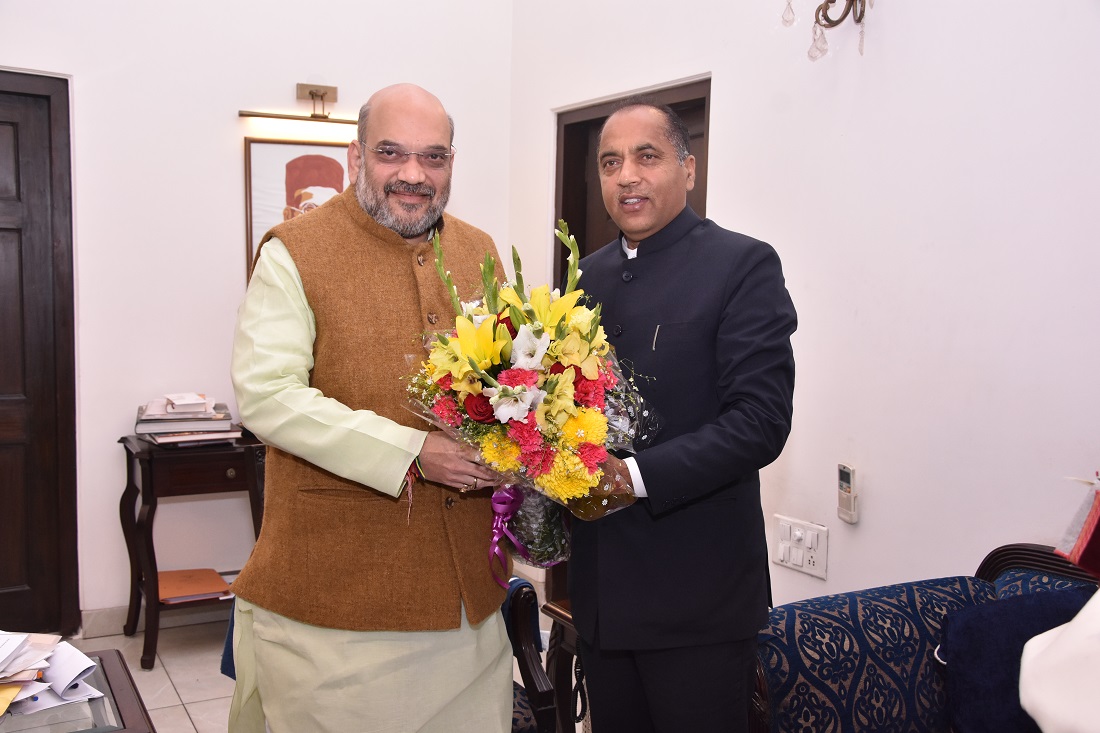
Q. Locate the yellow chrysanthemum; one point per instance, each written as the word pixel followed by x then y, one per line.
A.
pixel 587 426
pixel 500 452
pixel 568 478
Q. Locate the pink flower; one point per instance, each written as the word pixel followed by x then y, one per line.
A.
pixel 518 377
pixel 591 455
pixel 538 461
pixel 526 435
pixel 446 410
pixel 589 392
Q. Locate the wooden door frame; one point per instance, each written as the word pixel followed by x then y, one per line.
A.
pixel 55 91
pixel 572 128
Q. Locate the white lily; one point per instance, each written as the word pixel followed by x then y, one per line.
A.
pixel 528 349
pixel 513 403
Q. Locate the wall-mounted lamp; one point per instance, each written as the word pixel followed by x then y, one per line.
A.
pixel 315 93
pixel 824 19
pixel 822 14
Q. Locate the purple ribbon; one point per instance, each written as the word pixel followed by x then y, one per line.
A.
pixel 506 501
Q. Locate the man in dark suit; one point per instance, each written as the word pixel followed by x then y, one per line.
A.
pixel 669 593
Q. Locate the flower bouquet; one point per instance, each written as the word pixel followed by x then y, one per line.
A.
pixel 530 379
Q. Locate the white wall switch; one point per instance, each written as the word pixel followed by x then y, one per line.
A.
pixel 803 546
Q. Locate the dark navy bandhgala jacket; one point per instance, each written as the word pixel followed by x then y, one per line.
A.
pixel 702 319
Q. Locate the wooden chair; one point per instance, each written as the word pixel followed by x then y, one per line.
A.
pixel 521 614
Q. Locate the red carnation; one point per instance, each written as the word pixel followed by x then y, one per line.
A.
pixel 589 392
pixel 527 435
pixel 478 408
pixel 591 455
pixel 538 461
pixel 518 377
pixel 447 411
pixel 446 381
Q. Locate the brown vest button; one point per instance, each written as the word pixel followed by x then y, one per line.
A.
pixel 420 259
pixel 450 502
pixel 432 318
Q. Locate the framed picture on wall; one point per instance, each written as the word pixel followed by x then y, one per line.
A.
pixel 287 178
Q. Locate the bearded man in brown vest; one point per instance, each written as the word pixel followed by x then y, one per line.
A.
pixel 368 603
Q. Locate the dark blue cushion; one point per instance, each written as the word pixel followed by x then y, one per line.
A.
pixel 981 649
pixel 863 660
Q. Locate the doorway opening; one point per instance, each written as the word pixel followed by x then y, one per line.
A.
pixel 577 197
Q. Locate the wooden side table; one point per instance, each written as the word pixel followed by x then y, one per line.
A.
pixel 156 472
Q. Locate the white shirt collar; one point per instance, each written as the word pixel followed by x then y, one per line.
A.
pixel 630 253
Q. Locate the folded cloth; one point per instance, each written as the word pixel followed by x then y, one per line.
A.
pixel 514 584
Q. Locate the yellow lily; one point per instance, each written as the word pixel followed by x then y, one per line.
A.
pixel 558 404
pixel 511 297
pixel 573 350
pixel 550 311
pixel 479 342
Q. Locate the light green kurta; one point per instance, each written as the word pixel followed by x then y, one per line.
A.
pixel 272 359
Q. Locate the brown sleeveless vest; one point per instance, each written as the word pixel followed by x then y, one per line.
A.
pixel 335 553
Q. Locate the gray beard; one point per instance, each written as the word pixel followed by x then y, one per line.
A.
pixel 376 204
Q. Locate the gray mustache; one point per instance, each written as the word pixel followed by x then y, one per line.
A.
pixel 410 188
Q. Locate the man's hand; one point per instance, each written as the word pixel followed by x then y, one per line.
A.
pixel 615 491
pixel 616 478
pixel 444 460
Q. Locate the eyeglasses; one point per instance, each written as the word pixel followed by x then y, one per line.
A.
pixel 390 155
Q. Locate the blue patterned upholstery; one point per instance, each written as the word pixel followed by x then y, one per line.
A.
pixel 523 717
pixel 862 661
pixel 1018 581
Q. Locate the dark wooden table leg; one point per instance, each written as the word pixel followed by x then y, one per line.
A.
pixel 148 557
pixel 126 511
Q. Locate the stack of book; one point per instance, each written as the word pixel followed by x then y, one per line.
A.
pixel 185 419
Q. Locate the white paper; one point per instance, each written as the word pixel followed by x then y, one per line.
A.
pixel 68 666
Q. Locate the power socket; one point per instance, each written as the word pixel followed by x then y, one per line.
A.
pixel 802 546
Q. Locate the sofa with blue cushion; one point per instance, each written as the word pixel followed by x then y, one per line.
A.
pixel 923 657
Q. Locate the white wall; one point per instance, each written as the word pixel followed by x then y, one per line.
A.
pixel 159 189
pixel 934 205
pixel 932 202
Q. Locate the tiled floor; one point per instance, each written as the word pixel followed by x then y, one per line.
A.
pixel 185 691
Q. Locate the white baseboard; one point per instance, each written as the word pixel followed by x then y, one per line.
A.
pixel 109 621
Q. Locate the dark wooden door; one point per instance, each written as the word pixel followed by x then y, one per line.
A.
pixel 38 562
pixel 579 199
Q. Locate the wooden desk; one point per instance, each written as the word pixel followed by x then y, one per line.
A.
pixel 156 472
